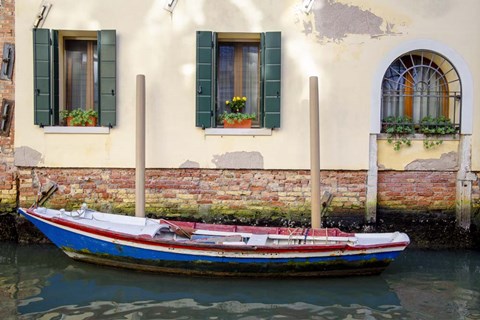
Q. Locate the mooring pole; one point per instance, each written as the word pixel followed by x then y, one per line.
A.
pixel 140 148
pixel 315 153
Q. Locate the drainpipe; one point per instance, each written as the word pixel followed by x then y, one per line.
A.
pixel 315 153
pixel 140 148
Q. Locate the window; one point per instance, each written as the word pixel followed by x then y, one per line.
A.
pixel 81 74
pixel 238 64
pixel 74 69
pixel 421 84
pixel 238 74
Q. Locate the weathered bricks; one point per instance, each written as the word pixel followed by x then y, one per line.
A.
pixel 7 91
pixel 416 191
pixel 264 190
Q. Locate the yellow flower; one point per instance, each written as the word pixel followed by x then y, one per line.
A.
pixel 244 98
pixel 234 99
pixel 227 102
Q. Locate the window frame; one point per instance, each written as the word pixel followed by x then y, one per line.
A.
pixel 48 50
pixel 238 44
pixel 449 103
pixel 64 36
pixel 270 77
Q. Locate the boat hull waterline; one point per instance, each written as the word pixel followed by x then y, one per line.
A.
pixel 104 239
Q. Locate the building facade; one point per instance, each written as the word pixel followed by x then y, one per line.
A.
pixel 397 103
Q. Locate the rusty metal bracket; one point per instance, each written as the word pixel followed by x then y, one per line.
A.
pixel 6 117
pixel 8 60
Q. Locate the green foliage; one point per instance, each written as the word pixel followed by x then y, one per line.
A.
pixel 64 113
pixel 432 128
pixel 237 117
pixel 79 117
pixel 398 131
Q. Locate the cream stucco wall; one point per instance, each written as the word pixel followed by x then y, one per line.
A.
pixel 341 42
pixel 443 157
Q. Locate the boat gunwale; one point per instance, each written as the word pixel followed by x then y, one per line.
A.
pixel 196 246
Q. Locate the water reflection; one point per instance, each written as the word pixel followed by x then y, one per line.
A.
pixel 41 282
pixel 439 284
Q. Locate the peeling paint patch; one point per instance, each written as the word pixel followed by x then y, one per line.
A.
pixel 447 162
pixel 27 157
pixel 239 160
pixel 190 164
pixel 335 21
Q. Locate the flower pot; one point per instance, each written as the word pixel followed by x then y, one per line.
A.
pixel 246 123
pixel 92 122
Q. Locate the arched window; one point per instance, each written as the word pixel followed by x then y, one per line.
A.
pixel 421 84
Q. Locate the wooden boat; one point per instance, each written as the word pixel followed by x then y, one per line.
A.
pixel 209 249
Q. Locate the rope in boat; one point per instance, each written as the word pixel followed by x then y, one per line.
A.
pixel 179 230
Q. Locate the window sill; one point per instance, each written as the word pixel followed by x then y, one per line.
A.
pixel 76 130
pixel 238 132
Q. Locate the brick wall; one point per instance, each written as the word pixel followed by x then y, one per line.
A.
pixel 8 193
pixel 189 191
pixel 240 192
pixel 416 190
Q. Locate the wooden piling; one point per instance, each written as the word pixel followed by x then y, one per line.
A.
pixel 140 148
pixel 315 153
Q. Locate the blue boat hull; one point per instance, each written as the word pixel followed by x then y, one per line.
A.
pixel 92 249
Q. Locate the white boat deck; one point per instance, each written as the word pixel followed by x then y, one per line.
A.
pixel 137 226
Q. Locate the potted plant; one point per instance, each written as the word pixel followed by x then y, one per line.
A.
pixel 237 119
pixel 398 130
pixel 64 114
pixel 79 117
pixel 433 128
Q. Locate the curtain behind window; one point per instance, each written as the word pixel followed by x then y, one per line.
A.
pixel 225 76
pixel 81 74
pixel 251 78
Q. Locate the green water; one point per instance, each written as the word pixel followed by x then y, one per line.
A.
pixel 40 282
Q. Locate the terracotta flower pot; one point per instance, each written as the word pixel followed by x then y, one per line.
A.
pixel 91 123
pixel 247 123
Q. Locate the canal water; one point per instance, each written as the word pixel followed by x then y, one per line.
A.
pixel 40 282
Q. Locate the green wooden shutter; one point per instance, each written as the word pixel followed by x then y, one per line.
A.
pixel 41 76
pixel 107 78
pixel 204 83
pixel 271 71
pixel 56 79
